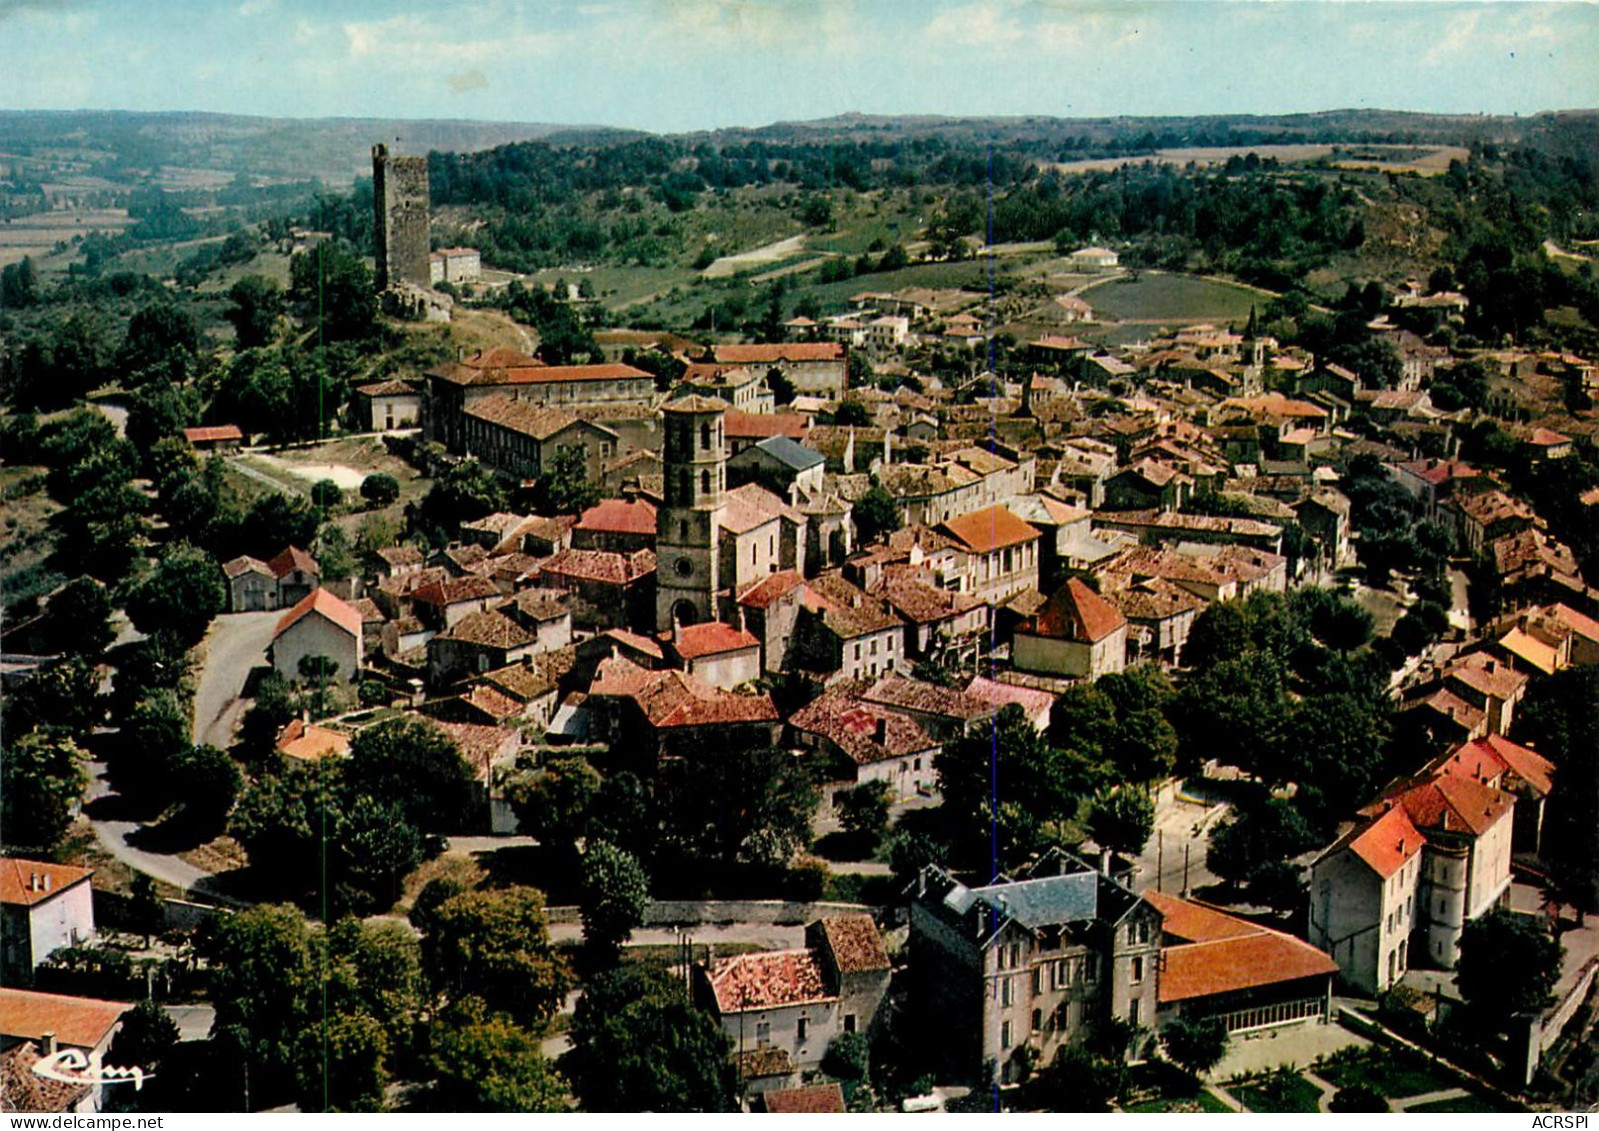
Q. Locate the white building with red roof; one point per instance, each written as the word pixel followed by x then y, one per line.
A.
pixel 1002 552
pixel 35 1025
pixel 43 907
pixel 320 625
pixel 856 742
pixel 723 655
pixel 1077 633
pixel 1427 857
pixel 257 586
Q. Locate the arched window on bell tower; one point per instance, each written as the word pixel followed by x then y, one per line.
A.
pixel 705 436
pixel 705 482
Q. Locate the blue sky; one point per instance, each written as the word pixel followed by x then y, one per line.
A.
pixel 671 65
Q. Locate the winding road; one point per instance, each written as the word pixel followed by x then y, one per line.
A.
pixel 237 644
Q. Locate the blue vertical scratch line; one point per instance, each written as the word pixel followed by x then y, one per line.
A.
pixel 993 731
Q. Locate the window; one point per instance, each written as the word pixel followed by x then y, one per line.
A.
pixel 705 436
pixel 1143 931
pixel 1138 970
pixel 849 1022
pixel 1038 1020
pixel 682 529
pixel 1038 982
pixel 802 1029
pixel 1015 954
pixel 1132 1011
pixel 1004 1035
pixel 763 1033
pixel 1007 995
pixel 705 482
pixel 873 649
pixel 857 651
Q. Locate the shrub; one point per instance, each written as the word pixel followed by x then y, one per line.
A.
pixel 326 494
pixel 379 489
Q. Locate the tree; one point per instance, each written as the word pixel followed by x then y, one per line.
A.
pixel 332 288
pixel 1122 820
pixel 79 618
pixel 379 489
pixel 851 414
pixel 491 1065
pixel 750 806
pixel 257 305
pixel 162 341
pixel 326 494
pixel 182 595
pixel 1560 714
pixel 1259 834
pixel 64 694
pixel 276 520
pixel 876 515
pixel 1358 1098
pixel 1079 1079
pixel 341 1063
pixel 334 553
pixel 413 765
pixel 161 410
pixel 1195 1044
pixel 495 945
pixel 147 1035
pixel 1509 964
pixel 863 813
pixel 44 782
pixel 614 896
pixel 465 492
pixel 264 985
pixel 848 1057
pixel 564 486
pixel 556 805
pixel 639 1045
pixel 206 785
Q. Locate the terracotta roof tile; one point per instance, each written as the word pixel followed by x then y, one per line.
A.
pixel 737 425
pixel 768 980
pixel 1448 803
pixel 293 558
pixel 771 588
pixel 1030 699
pixel 1487 759
pixel 768 353
pixel 451 590
pixel 812 1099
pixel 81 1022
pixel 210 434
pixel 856 943
pixel 243 564
pixel 1076 612
pixel 927 698
pixel 325 603
pixel 1265 958
pixel 866 734
pixel 22 1089
pixel 22 882
pixel 710 638
pixel 677 699
pixel 602 566
pixel 489 629
pixel 1385 844
pixel 307 742
pixel 991 528
pixel 619 516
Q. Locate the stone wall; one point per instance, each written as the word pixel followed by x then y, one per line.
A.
pixel 400 236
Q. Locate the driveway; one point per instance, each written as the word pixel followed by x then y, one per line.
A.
pixel 1176 849
pixel 194 1021
pixel 113 836
pixel 236 644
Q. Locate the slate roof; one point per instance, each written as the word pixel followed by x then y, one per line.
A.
pixel 1044 902
pixel 793 455
pixel 16 876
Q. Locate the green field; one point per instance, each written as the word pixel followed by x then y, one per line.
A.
pixel 1155 296
pixel 1391 1075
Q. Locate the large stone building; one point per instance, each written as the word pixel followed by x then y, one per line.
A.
pixel 1029 964
pixel 400 218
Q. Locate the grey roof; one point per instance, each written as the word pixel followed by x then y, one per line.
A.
pixel 1048 901
pixel 790 452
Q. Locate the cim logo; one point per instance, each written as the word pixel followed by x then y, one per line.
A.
pixel 72 1067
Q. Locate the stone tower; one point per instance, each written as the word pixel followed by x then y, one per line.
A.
pixel 400 206
pixel 694 458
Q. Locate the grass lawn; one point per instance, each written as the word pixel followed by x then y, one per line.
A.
pixel 1300 1095
pixel 1161 297
pixel 1391 1075
pixel 1205 1101
pixel 1464 1104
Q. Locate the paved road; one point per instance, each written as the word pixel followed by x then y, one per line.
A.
pixel 194 1021
pixel 766 935
pixel 262 477
pixel 113 835
pixel 1179 825
pixel 236 644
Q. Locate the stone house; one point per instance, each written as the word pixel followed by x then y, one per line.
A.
pixel 320 625
pixel 477 643
pixel 1012 971
pixel 522 439
pixel 1001 552
pixel 812 367
pixel 383 406
pixel 1077 633
pixel 856 742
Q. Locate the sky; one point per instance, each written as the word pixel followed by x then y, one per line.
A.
pixel 678 65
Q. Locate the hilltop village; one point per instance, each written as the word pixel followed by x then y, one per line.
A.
pixel 876 712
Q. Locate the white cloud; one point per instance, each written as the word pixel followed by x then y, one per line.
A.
pixel 1459 35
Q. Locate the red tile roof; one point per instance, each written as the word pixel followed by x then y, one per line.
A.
pixel 1583 626
pixel 22 882
pixel 329 606
pixel 489 629
pixel 1486 675
pixel 865 734
pixel 1449 803
pixel 210 434
pixel 1385 844
pixel 812 1099
pixel 991 528
pixel 1196 970
pixel 293 558
pixel 600 566
pixel 1547 438
pixel 81 1022
pixel 771 588
pixel 451 590
pixel 856 943
pixel 739 425
pixel 1486 759
pixel 1440 471
pixel 677 699
pixel 709 639
pixel 22 1089
pixel 310 743
pixel 1076 612
pixel 619 516
pixel 507 367
pixel 771 352
pixel 1190 922
pixel 1030 699
pixel 927 698
pixel 768 980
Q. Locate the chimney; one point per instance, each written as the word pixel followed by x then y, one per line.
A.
pixel 47 1041
pixel 527 660
pixel 45 882
pixel 882 730
pixel 33 881
pixel 1104 861
pixel 888 446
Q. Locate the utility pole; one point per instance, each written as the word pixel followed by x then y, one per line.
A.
pixel 1186 847
pixel 1160 858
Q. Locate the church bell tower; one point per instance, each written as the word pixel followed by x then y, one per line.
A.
pixel 694 459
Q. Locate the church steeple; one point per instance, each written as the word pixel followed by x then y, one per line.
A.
pixel 694 461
